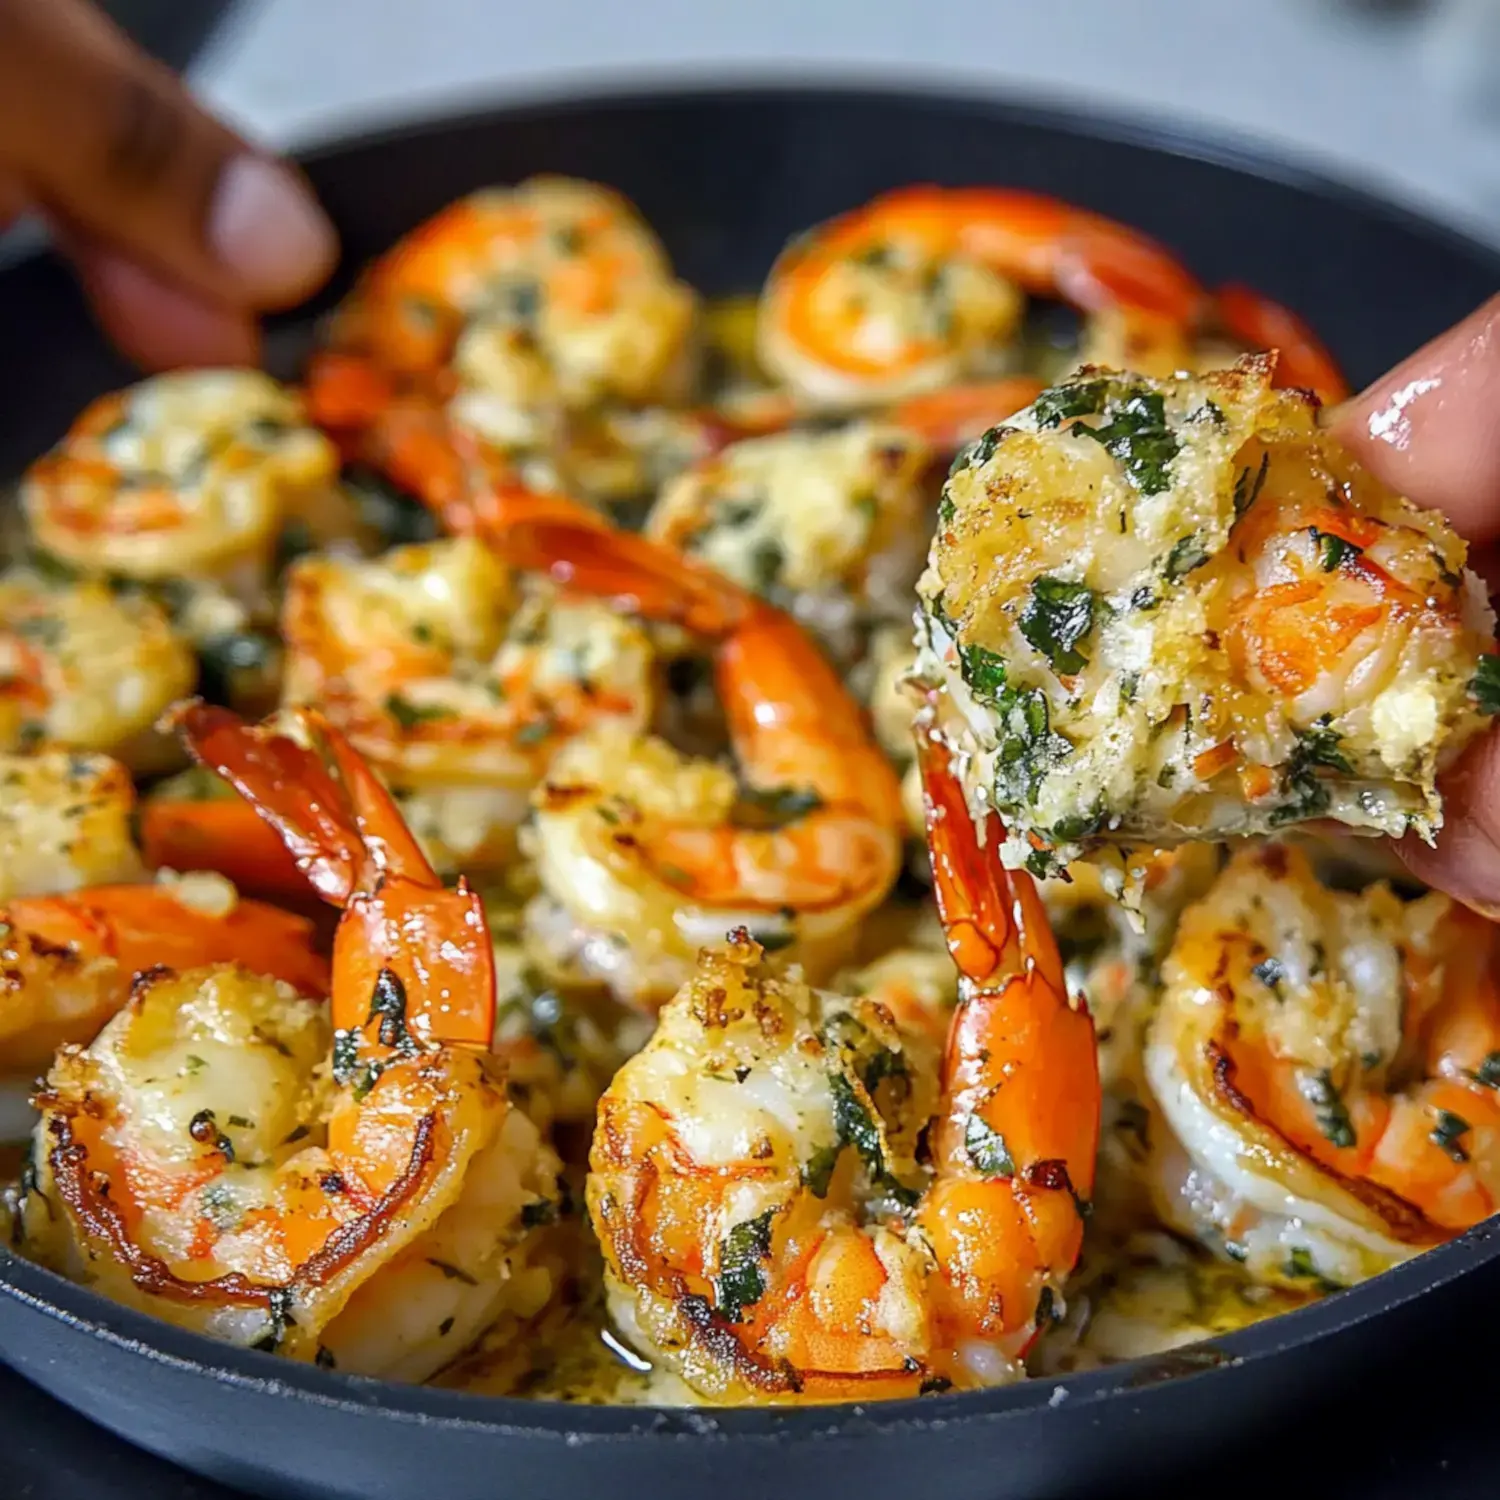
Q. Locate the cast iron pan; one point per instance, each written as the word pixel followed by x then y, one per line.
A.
pixel 725 177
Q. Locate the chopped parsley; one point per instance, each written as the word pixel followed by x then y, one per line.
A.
pixel 817 1170
pixel 767 559
pixel 1186 555
pixel 1057 617
pixel 388 1006
pixel 1484 688
pixel 774 807
pixel 1487 1074
pixel 984 672
pixel 1332 549
pixel 856 1125
pixel 741 1281
pixel 1137 436
pixel 987 1150
pixel 1246 489
pixel 408 714
pixel 1306 794
pixel 1272 973
pixel 1329 1109
pixel 1083 398
pixel 1448 1134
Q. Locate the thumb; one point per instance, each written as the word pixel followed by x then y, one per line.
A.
pixel 109 144
pixel 1431 429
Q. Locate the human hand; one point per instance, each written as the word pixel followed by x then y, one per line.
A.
pixel 181 232
pixel 1431 429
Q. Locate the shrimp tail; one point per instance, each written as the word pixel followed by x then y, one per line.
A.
pixel 408 954
pixel 1302 360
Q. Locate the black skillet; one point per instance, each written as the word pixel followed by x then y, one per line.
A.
pixel 726 177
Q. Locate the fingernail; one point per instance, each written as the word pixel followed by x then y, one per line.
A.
pixel 265 227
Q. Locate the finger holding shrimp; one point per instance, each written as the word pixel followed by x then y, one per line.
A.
pixel 1429 428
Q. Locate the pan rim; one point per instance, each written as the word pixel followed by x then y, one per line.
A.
pixel 134 1332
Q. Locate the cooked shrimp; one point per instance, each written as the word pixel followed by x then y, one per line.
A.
pixel 1326 1064
pixel 1165 610
pixel 65 822
pixel 1237 321
pixel 922 288
pixel 798 1201
pixel 69 960
pixel 519 304
pixel 189 474
pixel 458 681
pixel 829 525
pixel 86 668
pixel 203 1161
pixel 645 854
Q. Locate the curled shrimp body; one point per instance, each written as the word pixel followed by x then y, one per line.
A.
pixel 516 305
pixel 645 854
pixel 71 958
pixel 826 524
pixel 923 288
pixel 457 681
pixel 362 1194
pixel 1167 610
pixel 1325 1064
pixel 190 474
pixel 86 667
pixel 802 1198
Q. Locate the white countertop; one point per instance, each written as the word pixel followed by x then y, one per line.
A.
pixel 1409 103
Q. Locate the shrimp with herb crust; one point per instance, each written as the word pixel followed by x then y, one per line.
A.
pixel 1169 610
pixel 1325 1065
pixel 802 1199
pixel 360 1194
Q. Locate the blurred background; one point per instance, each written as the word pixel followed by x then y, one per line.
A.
pixel 1402 94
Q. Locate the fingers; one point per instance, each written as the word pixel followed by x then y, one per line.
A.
pixel 1431 428
pixel 1466 860
pixel 157 323
pixel 105 139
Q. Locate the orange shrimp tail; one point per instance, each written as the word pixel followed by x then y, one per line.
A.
pixel 288 787
pixel 1302 359
pixel 228 836
pixel 435 944
pixel 144 927
pixel 1015 1023
pixel 382 829
pixel 582 551
pixel 958 414
pixel 994 919
pixel 792 718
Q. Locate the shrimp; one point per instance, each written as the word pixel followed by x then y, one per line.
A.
pixel 1237 321
pixel 1325 1064
pixel 458 681
pixel 923 287
pixel 88 668
pixel 362 1195
pixel 1168 610
pixel 801 1199
pixel 644 854
pixel 65 822
pixel 188 474
pixel 517 305
pixel 827 524
pixel 70 959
